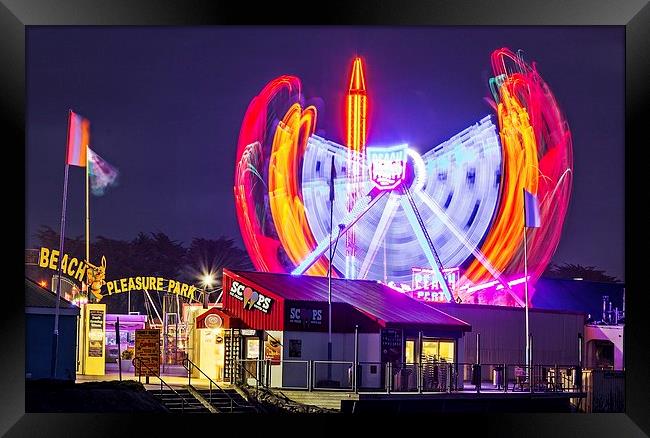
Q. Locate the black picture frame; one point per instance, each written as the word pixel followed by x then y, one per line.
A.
pixel 295 348
pixel 633 14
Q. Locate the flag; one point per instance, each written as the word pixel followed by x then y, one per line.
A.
pixel 78 139
pixel 332 176
pixel 101 173
pixel 531 210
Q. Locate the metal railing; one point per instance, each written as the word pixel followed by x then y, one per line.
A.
pixel 519 377
pixel 423 377
pixel 295 381
pixel 189 366
pixel 371 376
pixel 245 373
pixel 157 375
pixel 338 375
pixel 241 378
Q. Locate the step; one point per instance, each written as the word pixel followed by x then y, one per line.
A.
pixel 190 411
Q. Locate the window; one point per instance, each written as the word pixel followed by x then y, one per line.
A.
pixel 437 350
pixel 409 356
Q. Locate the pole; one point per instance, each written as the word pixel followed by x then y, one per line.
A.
pixel 329 299
pixel 477 370
pixel 119 353
pixel 526 296
pixel 579 349
pixel 355 384
pixel 530 358
pixel 90 299
pixel 420 367
pixel 205 297
pixel 164 332
pixel 55 334
pixel 329 278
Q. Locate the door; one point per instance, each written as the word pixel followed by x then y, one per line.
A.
pixel 435 356
pixel 252 357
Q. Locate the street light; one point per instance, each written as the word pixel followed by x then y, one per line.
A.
pixel 207 280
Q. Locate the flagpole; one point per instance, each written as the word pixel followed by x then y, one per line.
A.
pixel 55 334
pixel 329 276
pixel 87 224
pixel 526 290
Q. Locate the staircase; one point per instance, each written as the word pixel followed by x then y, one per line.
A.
pixel 174 403
pixel 223 400
pixel 323 399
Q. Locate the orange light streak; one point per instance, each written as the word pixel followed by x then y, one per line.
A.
pixel 520 171
pixel 286 205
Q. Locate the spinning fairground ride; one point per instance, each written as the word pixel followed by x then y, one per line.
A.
pixel 445 224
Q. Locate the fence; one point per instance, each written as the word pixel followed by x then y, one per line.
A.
pixel 429 377
pixel 605 391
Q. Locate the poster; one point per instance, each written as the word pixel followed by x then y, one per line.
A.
pixel 252 348
pixel 147 349
pixel 295 348
pixel 95 333
pixel 272 351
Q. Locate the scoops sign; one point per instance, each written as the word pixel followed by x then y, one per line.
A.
pixel 252 299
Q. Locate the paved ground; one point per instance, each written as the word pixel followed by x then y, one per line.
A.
pixel 174 376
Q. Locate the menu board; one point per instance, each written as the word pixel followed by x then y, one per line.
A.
pixel 391 345
pixel 95 333
pixel 147 349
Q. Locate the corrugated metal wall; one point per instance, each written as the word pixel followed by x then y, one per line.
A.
pixel 605 391
pixel 274 320
pixel 555 335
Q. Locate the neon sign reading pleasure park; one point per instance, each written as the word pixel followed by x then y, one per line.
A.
pixel 457 204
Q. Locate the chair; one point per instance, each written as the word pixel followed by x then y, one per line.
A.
pixel 520 378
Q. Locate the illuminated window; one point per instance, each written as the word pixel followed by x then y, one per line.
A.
pixel 437 350
pixel 446 350
pixel 429 350
pixel 409 356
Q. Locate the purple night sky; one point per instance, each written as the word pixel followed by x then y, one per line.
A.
pixel 165 106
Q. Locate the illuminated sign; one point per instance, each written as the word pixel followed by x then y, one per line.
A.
pixel 252 299
pixel 428 295
pixel 424 279
pixel 96 333
pixel 92 341
pixel 77 269
pixel 387 165
pixel 213 321
pixel 70 266
pixel 157 284
pixel 301 317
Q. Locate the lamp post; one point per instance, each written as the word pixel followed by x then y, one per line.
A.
pixel 207 280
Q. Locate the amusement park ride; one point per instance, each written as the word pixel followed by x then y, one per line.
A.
pixel 456 209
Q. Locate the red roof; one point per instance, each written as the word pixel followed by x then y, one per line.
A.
pixel 368 296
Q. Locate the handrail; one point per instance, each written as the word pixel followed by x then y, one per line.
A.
pixel 257 382
pixel 186 362
pixel 142 364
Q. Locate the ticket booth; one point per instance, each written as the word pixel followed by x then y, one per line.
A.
pixel 207 338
